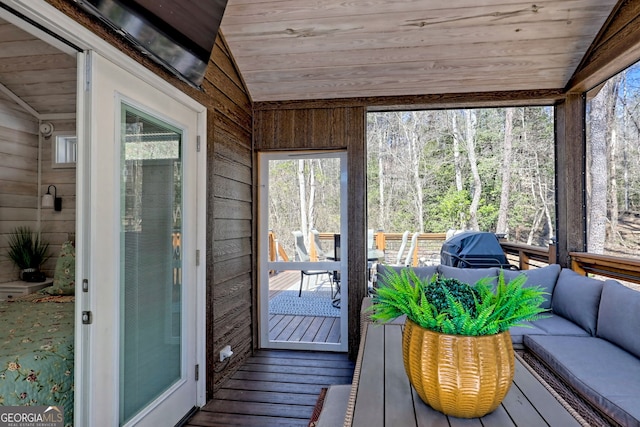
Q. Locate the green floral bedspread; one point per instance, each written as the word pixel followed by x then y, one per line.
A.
pixel 36 353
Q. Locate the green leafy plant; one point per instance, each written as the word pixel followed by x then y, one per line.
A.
pixel 449 306
pixel 27 250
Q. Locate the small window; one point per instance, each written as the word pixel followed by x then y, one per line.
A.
pixel 64 150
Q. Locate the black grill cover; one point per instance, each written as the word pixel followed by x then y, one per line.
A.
pixel 473 249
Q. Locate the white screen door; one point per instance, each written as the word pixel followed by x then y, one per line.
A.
pixel 303 255
pixel 140 179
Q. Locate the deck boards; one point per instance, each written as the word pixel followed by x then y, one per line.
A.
pixel 291 328
pixel 304 328
pixel 274 388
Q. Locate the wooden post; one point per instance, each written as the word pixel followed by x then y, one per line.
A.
pixel 553 253
pixel 381 240
pixel 570 172
pixel 524 260
pixel 313 251
pixel 272 246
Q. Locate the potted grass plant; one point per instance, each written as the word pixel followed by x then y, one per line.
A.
pixel 456 345
pixel 28 251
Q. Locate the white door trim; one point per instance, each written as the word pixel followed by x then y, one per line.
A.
pixel 263 259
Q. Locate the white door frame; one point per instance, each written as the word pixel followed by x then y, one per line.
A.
pixel 264 265
pixel 71 31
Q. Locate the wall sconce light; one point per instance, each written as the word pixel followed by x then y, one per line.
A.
pixel 52 200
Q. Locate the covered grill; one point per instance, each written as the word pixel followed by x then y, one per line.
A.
pixel 474 249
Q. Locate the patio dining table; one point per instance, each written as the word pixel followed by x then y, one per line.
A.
pixel 381 394
pixel 373 255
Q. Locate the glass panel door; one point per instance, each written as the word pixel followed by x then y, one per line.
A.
pixel 150 259
pixel 303 251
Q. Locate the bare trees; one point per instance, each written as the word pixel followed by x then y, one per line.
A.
pixel 458 166
pixel 303 194
pixel 470 128
pixel 502 226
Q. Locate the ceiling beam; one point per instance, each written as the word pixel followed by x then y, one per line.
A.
pixel 423 102
pixel 15 98
pixel 616 47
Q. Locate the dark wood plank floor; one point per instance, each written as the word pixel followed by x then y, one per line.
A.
pixel 276 388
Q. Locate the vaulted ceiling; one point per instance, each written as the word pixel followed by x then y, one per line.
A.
pixel 323 49
pixel 36 75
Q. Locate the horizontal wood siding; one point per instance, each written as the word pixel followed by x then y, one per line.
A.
pixel 18 177
pixel 329 128
pixel 58 227
pixel 307 128
pixel 230 219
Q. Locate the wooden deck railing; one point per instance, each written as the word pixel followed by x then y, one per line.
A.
pixel 624 269
pixel 275 248
pixel 526 256
pixel 428 245
pixel 529 256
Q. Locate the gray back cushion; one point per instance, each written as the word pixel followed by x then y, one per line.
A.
pixel 577 298
pixel 619 317
pixel 468 275
pixel 421 272
pixel 545 277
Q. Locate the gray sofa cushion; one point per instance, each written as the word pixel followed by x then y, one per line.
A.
pixel 552 325
pixel 558 325
pixel 577 297
pixel 468 275
pixel 619 316
pixel 603 373
pixel 518 332
pixel 545 277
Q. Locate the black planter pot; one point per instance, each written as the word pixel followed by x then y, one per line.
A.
pixel 33 276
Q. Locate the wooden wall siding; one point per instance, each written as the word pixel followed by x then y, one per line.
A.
pixel 57 227
pixel 230 218
pixel 314 128
pixel 329 128
pixel 18 177
pixel 616 47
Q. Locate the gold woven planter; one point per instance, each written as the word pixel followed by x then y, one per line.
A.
pixel 462 376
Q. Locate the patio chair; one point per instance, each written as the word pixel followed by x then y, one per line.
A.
pixel 302 255
pixel 414 242
pixel 403 244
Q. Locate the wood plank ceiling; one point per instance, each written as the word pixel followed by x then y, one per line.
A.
pixel 35 74
pixel 323 49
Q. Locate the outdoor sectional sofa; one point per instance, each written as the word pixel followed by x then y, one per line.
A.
pixel 591 339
